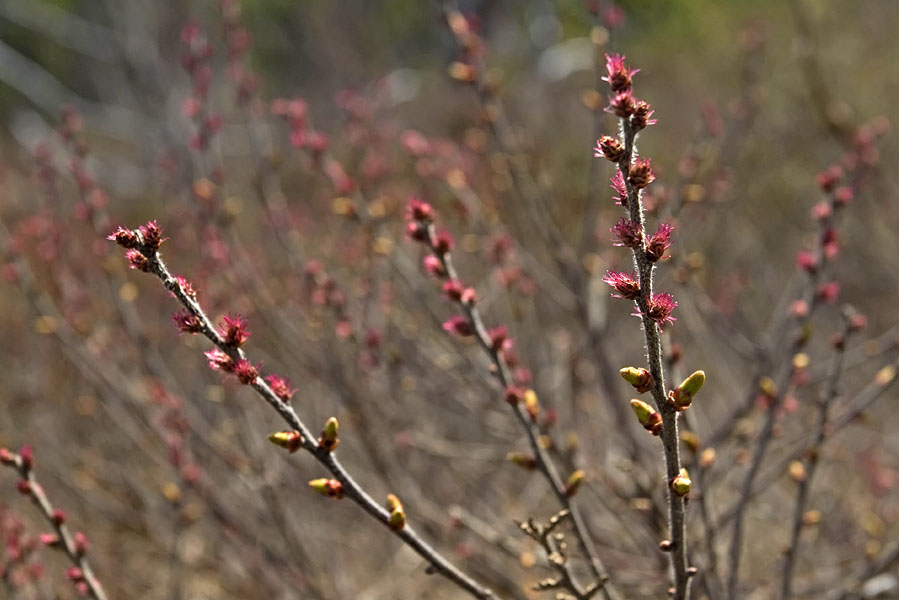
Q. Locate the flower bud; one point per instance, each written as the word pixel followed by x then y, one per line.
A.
pixel 328 439
pixel 641 379
pixel 290 440
pixel 525 461
pixel 650 419
pixel 532 404
pixel 397 514
pixel 682 396
pixel 574 482
pixel 327 487
pixel 680 485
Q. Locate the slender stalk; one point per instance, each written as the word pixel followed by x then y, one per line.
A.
pixel 328 459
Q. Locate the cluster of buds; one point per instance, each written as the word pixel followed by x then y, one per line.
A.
pixel 327 487
pixel 397 513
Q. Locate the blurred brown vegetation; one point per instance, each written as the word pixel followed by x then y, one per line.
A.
pixel 98 381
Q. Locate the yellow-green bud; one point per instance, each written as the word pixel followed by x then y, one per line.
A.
pixel 525 461
pixel 328 439
pixel 574 482
pixel 641 379
pixel 327 487
pixel 291 440
pixel 532 404
pixel 680 485
pixel 649 418
pixel 397 514
pixel 682 396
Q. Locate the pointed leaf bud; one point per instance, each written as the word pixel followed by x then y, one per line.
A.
pixel 525 461
pixel 650 419
pixel 290 440
pixel 680 485
pixel 397 513
pixel 327 487
pixel 532 404
pixel 682 396
pixel 328 439
pixel 641 379
pixel 574 482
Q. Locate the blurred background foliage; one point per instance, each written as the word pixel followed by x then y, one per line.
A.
pixel 802 75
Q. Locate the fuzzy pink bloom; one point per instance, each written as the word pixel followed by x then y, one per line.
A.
pixel 416 231
pixel 626 285
pixel 151 233
pixel 453 289
pixel 830 243
pixel 659 309
pixel 843 196
pixel 499 338
pixel 799 308
pixel 443 242
pixel 620 188
pixel 458 325
pixel 806 261
pixel 281 387
pixel 622 105
pixel 618 75
pixel 828 292
pixel 609 148
pixel 642 116
pixel 629 233
pixel 26 454
pixel 433 266
pixel 187 322
pixel 82 544
pixel 246 372
pixel 49 539
pixel 659 242
pixel 137 260
pixel 233 330
pixel 641 174
pixel 417 210
pixel 124 237
pixel 186 287
pixel 219 361
pixel 829 178
pixel 821 211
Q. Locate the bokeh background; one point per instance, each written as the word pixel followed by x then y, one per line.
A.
pixel 165 464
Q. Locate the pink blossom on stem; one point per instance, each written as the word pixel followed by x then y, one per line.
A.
pixel 626 285
pixel 618 75
pixel 443 242
pixel 246 372
pixel 659 309
pixel 629 233
pixel 642 116
pixel 458 325
pixel 137 260
pixel 124 237
pixel 622 105
pixel 417 210
pixel 434 266
pixel 219 361
pixel 280 386
pixel 659 242
pixel 806 261
pixel 641 174
pixel 609 148
pixel 187 322
pixel 828 292
pixel 233 330
pixel 620 188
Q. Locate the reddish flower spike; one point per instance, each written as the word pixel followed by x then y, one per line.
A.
pixel 219 361
pixel 619 76
pixel 281 387
pixel 641 174
pixel 138 261
pixel 622 105
pixel 187 322
pixel 626 285
pixel 609 148
pixel 629 233
pixel 658 244
pixel 660 308
pixel 246 372
pixel 620 188
pixel 234 330
pixel 458 325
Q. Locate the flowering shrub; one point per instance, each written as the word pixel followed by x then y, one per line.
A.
pixel 536 394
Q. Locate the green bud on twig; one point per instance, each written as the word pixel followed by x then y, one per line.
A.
pixel 328 439
pixel 327 487
pixel 291 440
pixel 650 419
pixel 680 485
pixel 574 482
pixel 640 378
pixel 682 396
pixel 397 514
